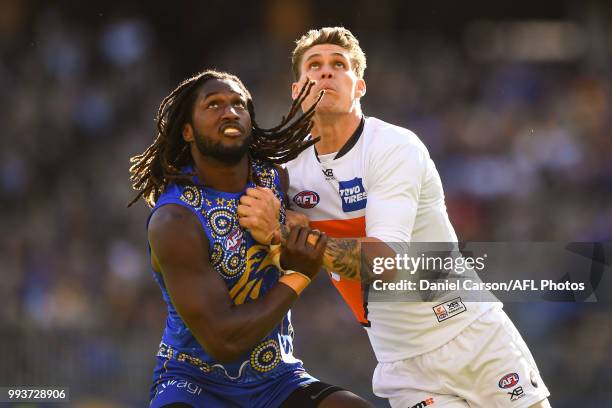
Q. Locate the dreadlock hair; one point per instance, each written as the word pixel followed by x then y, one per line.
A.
pixel 161 163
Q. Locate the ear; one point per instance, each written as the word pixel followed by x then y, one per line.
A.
pixel 360 89
pixel 295 90
pixel 188 133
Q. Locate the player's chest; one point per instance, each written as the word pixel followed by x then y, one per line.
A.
pixel 332 190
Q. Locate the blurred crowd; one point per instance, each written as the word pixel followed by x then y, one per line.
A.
pixel 523 150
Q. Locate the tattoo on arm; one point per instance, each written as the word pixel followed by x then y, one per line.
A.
pixel 343 256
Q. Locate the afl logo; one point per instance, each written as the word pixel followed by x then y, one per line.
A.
pixel 509 380
pixel 234 240
pixel 306 199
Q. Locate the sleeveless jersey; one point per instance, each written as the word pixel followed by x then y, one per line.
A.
pixel 387 187
pixel 248 271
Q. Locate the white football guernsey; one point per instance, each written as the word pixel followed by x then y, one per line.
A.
pixel 387 187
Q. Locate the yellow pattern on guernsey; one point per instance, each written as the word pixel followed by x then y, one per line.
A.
pixel 249 284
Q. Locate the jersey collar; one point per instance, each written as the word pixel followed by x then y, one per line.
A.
pixel 352 141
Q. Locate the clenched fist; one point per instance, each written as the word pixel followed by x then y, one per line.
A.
pixel 259 212
pixel 303 251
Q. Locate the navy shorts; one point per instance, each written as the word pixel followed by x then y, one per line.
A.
pixel 205 395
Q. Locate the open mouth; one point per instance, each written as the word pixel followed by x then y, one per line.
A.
pixel 231 129
pixel 325 86
pixel 326 89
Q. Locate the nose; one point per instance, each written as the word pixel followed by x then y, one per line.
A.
pixel 230 112
pixel 326 74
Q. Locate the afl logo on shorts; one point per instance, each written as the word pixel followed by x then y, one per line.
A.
pixel 306 199
pixel 509 380
pixel 234 240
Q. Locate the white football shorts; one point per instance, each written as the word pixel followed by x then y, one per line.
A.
pixel 488 365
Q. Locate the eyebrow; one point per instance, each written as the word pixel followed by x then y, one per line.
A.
pixel 337 54
pixel 206 96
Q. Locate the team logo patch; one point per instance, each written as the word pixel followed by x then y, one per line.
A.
pixel 446 310
pixel 516 393
pixel 353 195
pixel 328 173
pixel 233 241
pixel 423 404
pixel 508 380
pixel 306 199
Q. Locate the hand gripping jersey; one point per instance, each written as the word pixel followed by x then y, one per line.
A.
pixel 249 272
pixel 387 187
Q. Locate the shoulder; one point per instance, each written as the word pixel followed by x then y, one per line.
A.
pixel 178 193
pixel 389 145
pixel 169 214
pixel 172 224
pixel 384 136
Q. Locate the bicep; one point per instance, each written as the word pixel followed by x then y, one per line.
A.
pixel 391 218
pixel 180 250
pixel 394 194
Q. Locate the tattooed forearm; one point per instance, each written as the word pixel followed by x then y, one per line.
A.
pixel 343 256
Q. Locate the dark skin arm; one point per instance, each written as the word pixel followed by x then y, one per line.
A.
pixel 343 256
pixel 180 252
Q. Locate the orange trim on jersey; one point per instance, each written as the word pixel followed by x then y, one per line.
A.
pixel 351 228
pixel 351 291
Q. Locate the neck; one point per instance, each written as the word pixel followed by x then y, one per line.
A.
pixel 334 129
pixel 230 178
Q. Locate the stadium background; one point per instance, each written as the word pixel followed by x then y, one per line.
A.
pixel 512 99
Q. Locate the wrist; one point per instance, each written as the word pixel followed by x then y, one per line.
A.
pixel 295 280
pixel 275 252
pixel 275 236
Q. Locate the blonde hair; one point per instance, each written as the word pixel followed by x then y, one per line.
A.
pixel 339 36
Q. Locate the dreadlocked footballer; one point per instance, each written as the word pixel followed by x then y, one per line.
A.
pixel 228 339
pixel 161 163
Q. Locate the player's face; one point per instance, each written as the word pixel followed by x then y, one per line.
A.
pixel 221 124
pixel 330 67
